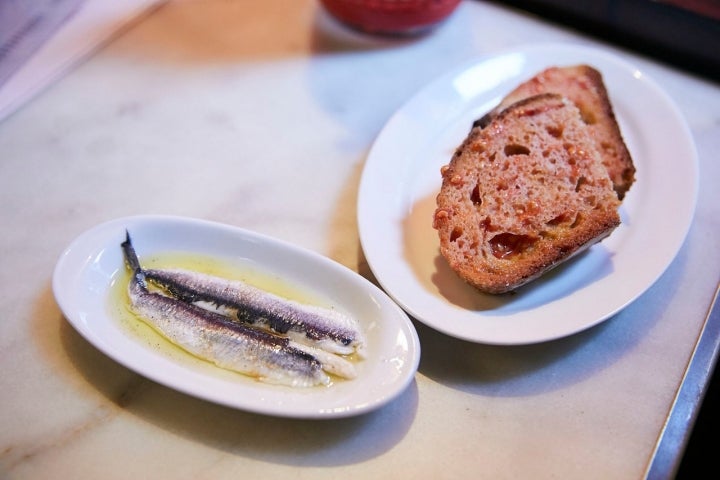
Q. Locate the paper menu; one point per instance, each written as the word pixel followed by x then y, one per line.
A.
pixel 41 40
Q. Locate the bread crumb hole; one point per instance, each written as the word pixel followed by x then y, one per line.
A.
pixel 475 196
pixel 455 234
pixel 516 149
pixel 555 130
pixel 487 225
pixel 507 245
pixel 580 182
pixel 478 147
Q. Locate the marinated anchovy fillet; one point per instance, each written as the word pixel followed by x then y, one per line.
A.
pixel 229 344
pixel 308 324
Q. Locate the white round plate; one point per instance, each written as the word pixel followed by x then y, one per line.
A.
pixel 87 270
pixel 402 178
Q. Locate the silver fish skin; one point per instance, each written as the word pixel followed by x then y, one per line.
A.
pixel 315 326
pixel 217 339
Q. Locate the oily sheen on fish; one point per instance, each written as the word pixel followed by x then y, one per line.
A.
pixel 230 345
pixel 319 327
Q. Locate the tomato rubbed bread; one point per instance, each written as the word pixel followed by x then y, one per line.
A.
pixel 526 190
pixel 584 86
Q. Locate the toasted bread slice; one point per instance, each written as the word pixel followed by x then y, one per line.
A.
pixel 523 194
pixel 583 85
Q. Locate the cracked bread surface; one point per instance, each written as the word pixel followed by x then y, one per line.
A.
pixel 583 85
pixel 523 194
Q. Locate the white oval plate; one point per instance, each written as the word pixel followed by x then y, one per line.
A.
pixel 402 177
pixel 85 273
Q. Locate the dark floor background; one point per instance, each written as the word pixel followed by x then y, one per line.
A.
pixel 681 33
pixel 702 452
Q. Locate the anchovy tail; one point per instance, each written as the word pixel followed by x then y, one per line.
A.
pixel 133 263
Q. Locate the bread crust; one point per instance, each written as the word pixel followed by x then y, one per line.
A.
pixel 522 194
pixel 583 85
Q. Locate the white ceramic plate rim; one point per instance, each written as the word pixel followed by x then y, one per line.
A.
pixel 401 178
pixel 86 269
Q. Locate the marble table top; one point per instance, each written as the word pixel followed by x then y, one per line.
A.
pixel 261 115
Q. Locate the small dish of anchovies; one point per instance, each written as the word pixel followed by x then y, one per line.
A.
pixel 235 317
